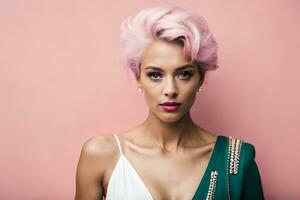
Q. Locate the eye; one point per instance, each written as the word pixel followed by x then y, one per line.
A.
pixel 185 75
pixel 154 75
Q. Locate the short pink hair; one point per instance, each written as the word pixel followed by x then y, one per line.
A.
pixel 170 23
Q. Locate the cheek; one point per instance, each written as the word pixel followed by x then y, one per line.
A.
pixel 150 91
pixel 192 98
pixel 151 97
pixel 189 90
pixel 189 95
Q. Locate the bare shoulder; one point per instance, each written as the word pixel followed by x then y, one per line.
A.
pixel 99 146
pixel 96 154
pixel 99 152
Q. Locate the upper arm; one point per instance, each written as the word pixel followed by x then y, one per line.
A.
pixel 90 170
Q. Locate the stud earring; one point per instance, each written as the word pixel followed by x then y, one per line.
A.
pixel 199 89
pixel 140 90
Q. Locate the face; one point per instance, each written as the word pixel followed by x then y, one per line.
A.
pixel 166 75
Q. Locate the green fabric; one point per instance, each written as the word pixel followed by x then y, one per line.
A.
pixel 244 185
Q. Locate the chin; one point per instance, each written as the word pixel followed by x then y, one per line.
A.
pixel 170 117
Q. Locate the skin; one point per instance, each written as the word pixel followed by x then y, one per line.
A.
pixel 175 148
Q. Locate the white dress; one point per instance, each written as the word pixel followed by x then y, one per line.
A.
pixel 125 183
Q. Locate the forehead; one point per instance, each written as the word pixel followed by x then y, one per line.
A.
pixel 163 54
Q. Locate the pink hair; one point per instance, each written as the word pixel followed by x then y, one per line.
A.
pixel 170 23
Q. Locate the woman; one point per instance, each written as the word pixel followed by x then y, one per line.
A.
pixel 168 156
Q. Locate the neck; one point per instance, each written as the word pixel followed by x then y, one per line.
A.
pixel 168 136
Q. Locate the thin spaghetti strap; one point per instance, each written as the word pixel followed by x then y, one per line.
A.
pixel 119 145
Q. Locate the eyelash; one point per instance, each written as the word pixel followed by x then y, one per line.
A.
pixel 188 74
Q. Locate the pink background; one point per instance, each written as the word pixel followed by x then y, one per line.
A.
pixel 61 83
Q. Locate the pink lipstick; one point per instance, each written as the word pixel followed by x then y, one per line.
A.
pixel 170 106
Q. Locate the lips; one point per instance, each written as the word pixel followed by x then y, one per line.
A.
pixel 170 104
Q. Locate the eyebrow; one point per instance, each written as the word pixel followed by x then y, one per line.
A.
pixel 189 65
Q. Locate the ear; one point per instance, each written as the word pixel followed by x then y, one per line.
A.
pixel 201 78
pixel 138 83
pixel 138 76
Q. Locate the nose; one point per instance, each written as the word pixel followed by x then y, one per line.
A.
pixel 170 89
